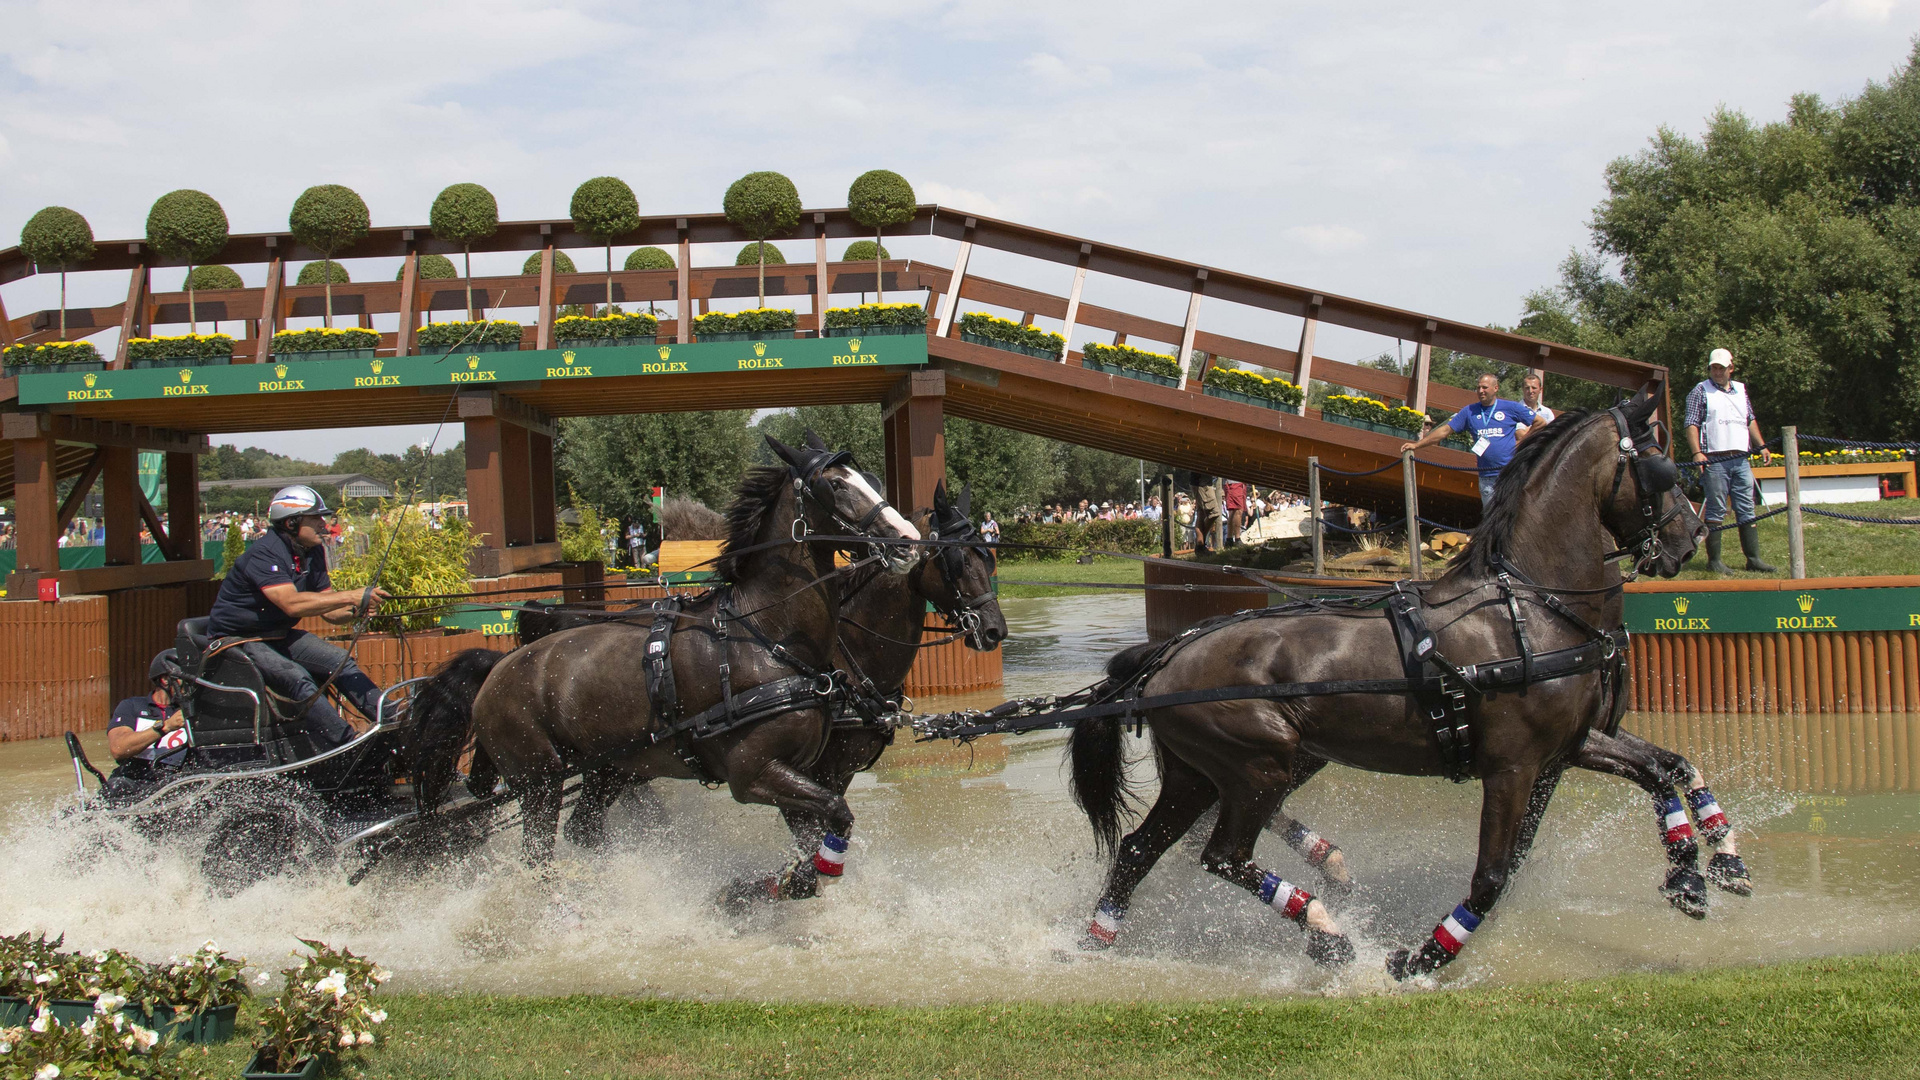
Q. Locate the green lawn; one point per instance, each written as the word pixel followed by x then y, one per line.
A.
pixel 1012 574
pixel 1842 1017
pixel 1834 548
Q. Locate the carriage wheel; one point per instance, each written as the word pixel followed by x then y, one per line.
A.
pixel 263 831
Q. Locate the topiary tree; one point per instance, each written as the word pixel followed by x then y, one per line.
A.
pixel 462 214
pixel 763 205
pixel 862 250
pixel 562 264
pixel 880 198
pixel 214 276
pixel 761 253
pixel 57 238
pixel 604 208
pixel 431 268
pixel 323 273
pixel 189 225
pixel 650 258
pixel 329 218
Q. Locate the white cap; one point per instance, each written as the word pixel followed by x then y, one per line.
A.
pixel 1720 357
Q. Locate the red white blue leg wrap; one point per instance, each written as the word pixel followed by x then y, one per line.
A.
pixel 831 858
pixel 1706 811
pixel 1106 923
pixel 1288 899
pixel 1452 933
pixel 1676 830
pixel 1311 845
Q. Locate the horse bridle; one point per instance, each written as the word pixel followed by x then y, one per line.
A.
pixel 958 537
pixel 810 485
pixel 1653 475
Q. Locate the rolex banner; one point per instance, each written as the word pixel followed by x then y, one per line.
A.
pixel 1771 612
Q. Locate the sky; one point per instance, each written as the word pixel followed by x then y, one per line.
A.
pixel 1442 158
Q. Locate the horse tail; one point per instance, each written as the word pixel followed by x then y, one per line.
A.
pixel 1099 778
pixel 441 717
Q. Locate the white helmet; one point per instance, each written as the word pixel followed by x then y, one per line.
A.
pixel 295 500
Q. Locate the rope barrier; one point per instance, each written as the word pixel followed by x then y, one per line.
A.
pixel 1858 442
pixel 1862 518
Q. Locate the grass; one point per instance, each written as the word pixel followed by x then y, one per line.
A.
pixel 1013 574
pixel 1834 548
pixel 1839 1017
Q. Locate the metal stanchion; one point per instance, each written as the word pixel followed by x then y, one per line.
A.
pixel 1413 515
pixel 1315 510
pixel 1796 539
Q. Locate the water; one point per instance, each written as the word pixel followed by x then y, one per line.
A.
pixel 972 875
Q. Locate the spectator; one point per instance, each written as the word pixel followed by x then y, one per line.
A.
pixel 1208 520
pixel 1497 426
pixel 1152 510
pixel 1530 391
pixel 1184 515
pixel 636 544
pixel 990 529
pixel 1235 504
pixel 1721 426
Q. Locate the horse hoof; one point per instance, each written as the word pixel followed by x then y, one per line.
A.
pixel 1729 873
pixel 1686 890
pixel 1091 942
pixel 1329 950
pixel 1400 965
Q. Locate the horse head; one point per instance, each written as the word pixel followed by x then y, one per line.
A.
pixel 1644 507
pixel 836 497
pixel 958 580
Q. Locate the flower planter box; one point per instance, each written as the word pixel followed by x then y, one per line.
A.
pixel 71 1013
pixel 309 1069
pixel 893 330
pixel 323 354
pixel 14 1012
pixel 489 348
pixel 604 343
pixel 1130 373
pixel 213 1026
pixel 11 370
pixel 1246 399
pixel 769 335
pixel 1011 346
pixel 180 361
pixel 1368 425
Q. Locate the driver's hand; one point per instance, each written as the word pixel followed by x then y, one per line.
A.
pixel 174 722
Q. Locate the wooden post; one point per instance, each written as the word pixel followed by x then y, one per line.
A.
pixel 409 304
pixel 1166 515
pixel 1073 300
pixel 120 494
pixel 270 317
pixel 820 285
pixel 1413 513
pixel 36 504
pixel 486 505
pixel 543 328
pixel 1422 366
pixel 1309 329
pixel 686 285
pixel 6 327
pixel 183 506
pixel 131 319
pixel 914 434
pixel 1192 327
pixel 952 299
pixel 1315 509
pixel 1796 537
pixel 546 525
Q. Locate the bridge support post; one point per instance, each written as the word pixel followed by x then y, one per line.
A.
pixel 914 434
pixel 1413 513
pixel 1314 508
pixel 510 499
pixel 36 506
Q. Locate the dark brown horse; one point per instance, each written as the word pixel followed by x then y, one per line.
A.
pixel 1573 496
pixel 577 701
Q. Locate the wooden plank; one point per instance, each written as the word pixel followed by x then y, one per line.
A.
pixel 543 329
pixel 6 326
pixel 1187 331
pixel 71 505
pixel 821 286
pixel 1073 300
pixel 130 315
pixel 957 283
pixel 409 303
pixel 271 318
pixel 1418 381
pixel 686 285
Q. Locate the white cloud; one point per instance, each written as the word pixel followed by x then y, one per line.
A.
pixel 1873 11
pixel 1326 239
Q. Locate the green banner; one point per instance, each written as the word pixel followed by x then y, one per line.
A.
pixel 1769 612
pixel 479 369
pixel 151 466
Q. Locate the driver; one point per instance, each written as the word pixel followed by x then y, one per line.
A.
pixel 147 734
pixel 280 579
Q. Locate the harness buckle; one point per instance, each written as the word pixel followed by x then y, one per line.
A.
pixel 800 531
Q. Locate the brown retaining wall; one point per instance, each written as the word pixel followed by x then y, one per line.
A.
pixel 53 667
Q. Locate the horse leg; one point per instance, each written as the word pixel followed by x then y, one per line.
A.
pixel 1684 888
pixel 821 853
pixel 539 818
pixel 1229 855
pixel 1726 869
pixel 587 825
pixel 1542 794
pixel 1321 854
pixel 781 785
pixel 1185 794
pixel 1505 804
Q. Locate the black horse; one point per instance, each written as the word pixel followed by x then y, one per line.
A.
pixel 751 664
pixel 1538 580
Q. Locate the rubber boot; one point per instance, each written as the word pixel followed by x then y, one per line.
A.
pixel 1750 546
pixel 1714 565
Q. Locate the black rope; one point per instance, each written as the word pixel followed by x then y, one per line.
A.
pixel 1862 518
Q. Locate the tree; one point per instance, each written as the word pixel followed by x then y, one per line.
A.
pixel 853 428
pixel 605 208
pixel 57 238
pixel 614 461
pixel 650 258
pixel 1795 244
pixel 329 218
pixel 461 214
pixel 1006 468
pixel 187 225
pixel 214 276
pixel 562 263
pixel 862 250
pixel 760 253
pixel 430 268
pixel 323 273
pixel 880 198
pixel 762 205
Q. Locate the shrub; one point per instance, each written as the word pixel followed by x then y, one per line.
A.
pixel 419 561
pixel 57 238
pixel 182 346
pixel 650 258
pixel 582 542
pixel 877 199
pixel 326 339
pixel 1254 385
pixel 863 251
pixel 1064 540
pixel 329 218
pixel 562 263
pixel 191 226
pixel 213 276
pixel 490 332
pixel 760 254
pixel 1372 411
pixel 580 328
pixel 324 1007
pixel 431 268
pixel 995 328
pixel 51 353
pixel 682 518
pixel 877 315
pixel 323 273
pixel 1126 356
pixel 605 209
pixel 757 321
pixel 461 214
pixel 230 551
pixel 762 205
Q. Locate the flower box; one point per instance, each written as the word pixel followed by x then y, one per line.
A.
pixel 212 1026
pixel 887 330
pixel 70 1013
pixel 1368 425
pixel 14 1012
pixel 491 347
pixel 179 361
pixel 764 335
pixel 308 1069
pixel 1246 399
pixel 605 343
pixel 323 354
pixel 11 370
pixel 1008 346
pixel 1130 373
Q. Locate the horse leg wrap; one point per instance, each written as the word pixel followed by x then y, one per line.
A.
pixel 1706 811
pixel 1105 926
pixel 1311 845
pixel 1438 950
pixel 1288 899
pixel 830 860
pixel 1676 832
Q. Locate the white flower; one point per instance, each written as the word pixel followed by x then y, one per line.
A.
pixel 39 1025
pixel 108 1002
pixel 146 1037
pixel 378 1016
pixel 48 1071
pixel 6 1048
pixel 381 975
pixel 366 1038
pixel 90 1027
pixel 335 984
pixel 43 978
pixel 99 957
pixel 119 1021
pixel 346 1038
pixel 262 979
pixel 209 946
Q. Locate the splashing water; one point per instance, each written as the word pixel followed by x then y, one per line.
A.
pixel 972 875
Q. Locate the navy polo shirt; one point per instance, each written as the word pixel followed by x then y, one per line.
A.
pixel 242 609
pixel 1495 424
pixel 141 714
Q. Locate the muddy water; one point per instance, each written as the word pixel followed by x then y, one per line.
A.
pixel 971 875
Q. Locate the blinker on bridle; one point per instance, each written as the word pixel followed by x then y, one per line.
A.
pixel 1653 476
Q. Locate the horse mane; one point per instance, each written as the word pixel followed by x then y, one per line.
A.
pixel 1497 525
pixel 756 497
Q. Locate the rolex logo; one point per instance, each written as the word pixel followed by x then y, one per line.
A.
pixel 473 362
pixel 759 348
pixel 1805 600
pixel 377 365
pixel 664 350
pixel 567 357
pixel 91 378
pixel 279 371
pixel 853 344
pixel 186 374
pixel 1680 605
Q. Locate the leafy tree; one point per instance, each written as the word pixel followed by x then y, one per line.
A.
pixel 879 198
pixel 762 205
pixel 613 461
pixel 1795 244
pixel 763 255
pixel 461 214
pixel 329 218
pixel 57 238
pixel 650 258
pixel 854 428
pixel 431 268
pixel 1098 475
pixel 862 250
pixel 562 263
pixel 323 273
pixel 188 225
pixel 230 549
pixel 605 208
pixel 1006 468
pixel 213 276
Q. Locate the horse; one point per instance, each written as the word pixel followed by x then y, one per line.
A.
pixel 1538 579
pixel 750 667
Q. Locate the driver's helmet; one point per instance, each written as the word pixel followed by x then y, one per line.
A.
pixel 295 500
pixel 164 665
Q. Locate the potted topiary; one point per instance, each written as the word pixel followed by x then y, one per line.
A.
pixel 650 258
pixel 759 324
pixel 1250 388
pixel 57 238
pixel 875 320
pixel 877 199
pixel 188 225
pixel 324 1009
pixel 587 332
pixel 995 332
pixel 323 343
pixel 184 350
pixel 329 218
pixel 430 268
pixel 50 356
pixel 562 264
pixel 762 205
pixel 1131 363
pixel 461 214
pixel 213 276
pixel 604 208
pixel 492 336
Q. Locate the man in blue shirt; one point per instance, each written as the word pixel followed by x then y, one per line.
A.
pixel 1497 426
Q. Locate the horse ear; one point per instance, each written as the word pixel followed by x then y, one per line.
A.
pixel 940 503
pixel 815 442
pixel 787 453
pixel 1641 407
pixel 966 501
